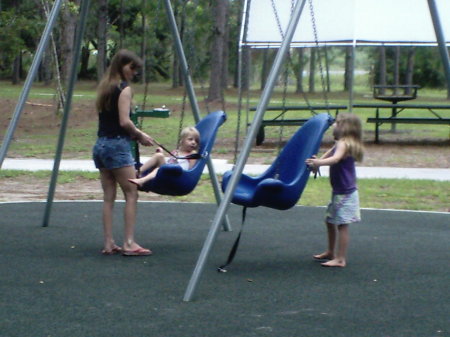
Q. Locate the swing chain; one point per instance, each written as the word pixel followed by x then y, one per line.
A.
pixel 316 40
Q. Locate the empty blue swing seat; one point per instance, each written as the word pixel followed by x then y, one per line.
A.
pixel 171 179
pixel 289 167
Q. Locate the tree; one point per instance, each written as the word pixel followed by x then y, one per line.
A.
pixel 312 69
pixel 218 49
pixel 19 26
pixel 102 29
pixel 300 67
pixel 69 17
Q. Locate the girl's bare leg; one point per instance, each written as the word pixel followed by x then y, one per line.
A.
pixel 331 235
pixel 340 259
pixel 142 180
pixel 155 161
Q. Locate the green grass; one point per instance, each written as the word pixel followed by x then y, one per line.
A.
pixel 424 195
pixel 40 141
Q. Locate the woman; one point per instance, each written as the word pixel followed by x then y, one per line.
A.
pixel 112 152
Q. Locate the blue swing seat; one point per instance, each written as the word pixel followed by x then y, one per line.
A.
pixel 284 191
pixel 171 179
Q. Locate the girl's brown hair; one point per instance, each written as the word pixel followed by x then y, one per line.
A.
pixel 113 76
pixel 350 131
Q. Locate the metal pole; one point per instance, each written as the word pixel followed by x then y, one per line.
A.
pixel 441 42
pixel 30 78
pixel 193 100
pixel 265 97
pixel 62 131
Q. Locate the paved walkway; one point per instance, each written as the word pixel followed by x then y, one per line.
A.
pixel 222 165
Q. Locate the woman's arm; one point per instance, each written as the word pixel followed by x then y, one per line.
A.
pixel 124 106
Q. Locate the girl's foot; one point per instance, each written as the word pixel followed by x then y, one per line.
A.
pixel 135 181
pixel 334 263
pixel 324 256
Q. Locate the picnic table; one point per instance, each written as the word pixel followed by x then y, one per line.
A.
pixel 395 109
pixel 280 120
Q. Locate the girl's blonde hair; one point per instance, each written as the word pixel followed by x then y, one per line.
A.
pixel 113 76
pixel 190 131
pixel 350 131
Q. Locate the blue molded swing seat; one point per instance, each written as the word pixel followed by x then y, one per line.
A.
pixel 171 179
pixel 284 192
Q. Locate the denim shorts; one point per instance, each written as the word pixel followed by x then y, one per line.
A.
pixel 112 152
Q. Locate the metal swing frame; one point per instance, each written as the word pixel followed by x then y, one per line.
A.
pixel 257 121
pixel 84 9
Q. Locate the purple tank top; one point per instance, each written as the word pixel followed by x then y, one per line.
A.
pixel 343 176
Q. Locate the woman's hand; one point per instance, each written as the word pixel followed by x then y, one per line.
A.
pixel 145 139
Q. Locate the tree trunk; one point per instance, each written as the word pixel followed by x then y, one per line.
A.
pixel 265 67
pixel 121 27
pixel 410 68
pixel 15 78
pixel 397 67
pixel 176 73
pixel 239 25
pixel 144 42
pixel 382 69
pixel 68 24
pixel 102 32
pixel 348 68
pixel 245 69
pixel 301 68
pixel 85 53
pixel 312 69
pixel 219 44
pixel 226 54
pixel 327 70
pixel 46 67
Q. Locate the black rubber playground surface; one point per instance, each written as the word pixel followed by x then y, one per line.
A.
pixel 54 282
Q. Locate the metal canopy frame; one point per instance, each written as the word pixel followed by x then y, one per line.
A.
pixel 84 9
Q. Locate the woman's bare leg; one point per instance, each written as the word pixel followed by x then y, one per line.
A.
pixel 109 186
pixel 130 192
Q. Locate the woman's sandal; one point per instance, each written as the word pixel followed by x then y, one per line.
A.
pixel 115 250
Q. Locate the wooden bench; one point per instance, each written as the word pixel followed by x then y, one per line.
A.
pixel 397 108
pixel 279 121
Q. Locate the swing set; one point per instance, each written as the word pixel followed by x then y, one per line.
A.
pixel 279 187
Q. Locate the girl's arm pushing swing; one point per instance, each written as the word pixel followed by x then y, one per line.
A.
pixel 329 158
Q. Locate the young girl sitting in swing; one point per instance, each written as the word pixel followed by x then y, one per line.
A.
pixel 189 145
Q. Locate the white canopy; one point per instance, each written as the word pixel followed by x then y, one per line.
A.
pixel 347 22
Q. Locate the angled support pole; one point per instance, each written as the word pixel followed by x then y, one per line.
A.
pixel 441 42
pixel 70 87
pixel 265 97
pixel 193 100
pixel 30 78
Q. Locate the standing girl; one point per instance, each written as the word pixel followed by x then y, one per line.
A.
pixel 112 151
pixel 344 206
pixel 189 144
